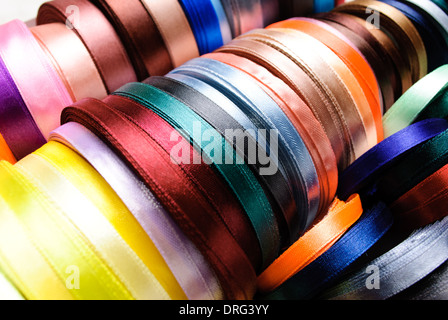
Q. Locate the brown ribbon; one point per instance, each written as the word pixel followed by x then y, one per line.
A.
pixel 140 36
pixel 99 37
pixel 399 27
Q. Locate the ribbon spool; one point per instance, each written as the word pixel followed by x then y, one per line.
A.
pixel 104 45
pixel 216 208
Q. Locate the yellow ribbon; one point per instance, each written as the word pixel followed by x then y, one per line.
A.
pixel 58 241
pixel 153 279
pixel 22 263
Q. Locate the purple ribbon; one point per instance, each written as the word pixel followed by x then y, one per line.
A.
pixel 17 126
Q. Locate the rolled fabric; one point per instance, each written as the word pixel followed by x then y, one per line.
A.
pixel 71 59
pixel 97 34
pixel 187 264
pixel 41 88
pixel 16 121
pixel 176 32
pixel 140 36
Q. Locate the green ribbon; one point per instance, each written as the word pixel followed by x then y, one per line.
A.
pixel 408 107
pixel 237 174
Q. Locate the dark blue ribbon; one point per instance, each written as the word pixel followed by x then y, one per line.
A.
pixel 332 264
pixel 369 167
pixel 205 24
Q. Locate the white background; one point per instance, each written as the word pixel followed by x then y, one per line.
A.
pixel 24 10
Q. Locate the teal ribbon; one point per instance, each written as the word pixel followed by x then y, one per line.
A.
pixel 237 174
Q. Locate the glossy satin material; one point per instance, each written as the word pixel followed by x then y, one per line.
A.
pixel 423 204
pixel 102 219
pixel 401 267
pixel 39 84
pixel 174 28
pixel 330 266
pixel 240 179
pixel 99 37
pixel 174 189
pixel 205 24
pixel 180 254
pixel 352 57
pixel 401 29
pixel 407 108
pixel 16 121
pixel 59 242
pixel 372 164
pixel 68 54
pixel 300 116
pixel 140 36
pixel 22 262
pixel 292 152
pixel 339 218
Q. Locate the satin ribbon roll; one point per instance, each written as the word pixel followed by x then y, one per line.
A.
pixel 175 30
pixel 339 218
pixel 348 82
pixel 300 115
pixel 437 108
pixel 16 121
pixel 218 194
pixel 61 245
pixel 439 17
pixel 68 55
pixel 352 57
pixel 434 287
pixel 224 115
pixel 174 190
pixel 5 152
pixel 38 83
pixel 197 280
pixel 292 151
pixel 275 185
pixel 424 204
pixel 327 76
pixel 94 208
pixel 399 268
pixel 408 107
pixel 98 36
pixel 401 70
pixel 205 25
pixel 304 86
pixel 372 165
pixel 140 36
pixel 23 264
pixel 400 29
pixel 433 39
pixel 376 54
pixel 329 267
pixel 411 170
pixel 238 176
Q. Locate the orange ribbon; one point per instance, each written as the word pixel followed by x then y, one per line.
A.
pixel 340 217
